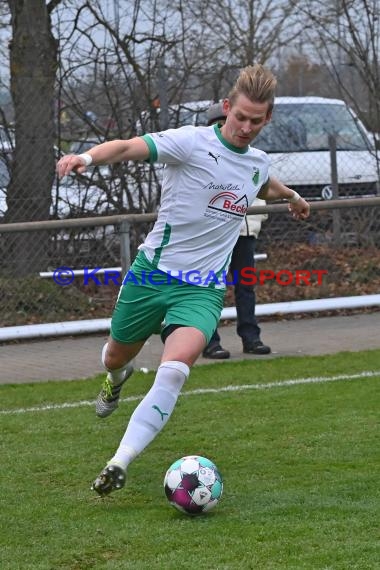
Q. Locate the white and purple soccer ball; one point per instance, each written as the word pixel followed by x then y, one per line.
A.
pixel 193 485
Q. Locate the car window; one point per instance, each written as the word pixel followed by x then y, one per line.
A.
pixel 306 127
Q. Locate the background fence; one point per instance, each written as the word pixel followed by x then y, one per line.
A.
pixel 336 250
pixel 317 146
pixel 76 76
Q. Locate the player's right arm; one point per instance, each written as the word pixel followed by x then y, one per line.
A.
pixel 105 153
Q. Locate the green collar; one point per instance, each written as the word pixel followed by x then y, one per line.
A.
pixel 226 143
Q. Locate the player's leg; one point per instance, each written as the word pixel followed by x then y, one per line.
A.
pixel 183 344
pixel 138 313
pixel 245 297
pixel 182 348
pixel 117 360
pixel 148 419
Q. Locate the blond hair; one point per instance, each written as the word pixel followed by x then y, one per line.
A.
pixel 257 83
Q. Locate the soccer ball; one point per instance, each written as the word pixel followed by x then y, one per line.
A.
pixel 193 485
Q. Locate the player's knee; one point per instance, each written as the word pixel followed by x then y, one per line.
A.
pixel 171 376
pixel 112 358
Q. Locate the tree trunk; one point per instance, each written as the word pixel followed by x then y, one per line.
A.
pixel 33 57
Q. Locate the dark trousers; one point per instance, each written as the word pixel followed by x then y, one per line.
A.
pixel 245 297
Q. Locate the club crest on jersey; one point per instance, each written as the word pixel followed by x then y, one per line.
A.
pixel 255 175
pixel 227 204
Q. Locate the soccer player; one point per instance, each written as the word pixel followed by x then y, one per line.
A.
pixel 247 326
pixel 176 283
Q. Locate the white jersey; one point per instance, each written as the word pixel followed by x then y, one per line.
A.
pixel 207 187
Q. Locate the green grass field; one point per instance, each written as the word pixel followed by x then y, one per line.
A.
pixel 300 460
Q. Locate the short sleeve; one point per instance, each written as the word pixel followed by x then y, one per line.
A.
pixel 172 146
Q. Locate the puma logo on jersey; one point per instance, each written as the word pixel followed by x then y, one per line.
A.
pixel 214 157
pixel 162 414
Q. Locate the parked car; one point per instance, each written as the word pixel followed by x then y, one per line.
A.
pixel 73 197
pixel 297 140
pixel 7 142
pixel 70 196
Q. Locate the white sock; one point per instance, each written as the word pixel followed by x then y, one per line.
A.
pixel 116 376
pixel 153 412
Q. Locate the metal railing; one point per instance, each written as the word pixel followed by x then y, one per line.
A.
pixel 124 221
pixel 350 256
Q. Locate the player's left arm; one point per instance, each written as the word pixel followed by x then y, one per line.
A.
pixel 273 189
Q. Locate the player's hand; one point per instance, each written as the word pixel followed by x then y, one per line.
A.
pixel 70 163
pixel 300 210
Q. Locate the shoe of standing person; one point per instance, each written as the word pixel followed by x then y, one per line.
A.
pixel 216 352
pixel 256 347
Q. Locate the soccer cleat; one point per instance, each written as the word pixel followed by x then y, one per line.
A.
pixel 112 478
pixel 108 398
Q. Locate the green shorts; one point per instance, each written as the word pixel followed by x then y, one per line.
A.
pixel 150 300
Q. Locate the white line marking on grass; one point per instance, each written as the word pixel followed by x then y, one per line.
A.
pixel 237 388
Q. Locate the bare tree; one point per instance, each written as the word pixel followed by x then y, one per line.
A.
pixel 110 73
pixel 348 36
pixel 129 64
pixel 33 62
pixel 236 34
pixel 300 76
pixel 115 66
